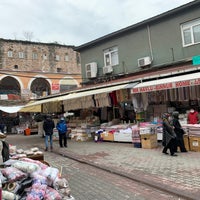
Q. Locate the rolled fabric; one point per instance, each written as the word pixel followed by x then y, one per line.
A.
pixel 11 186
pixel 4 186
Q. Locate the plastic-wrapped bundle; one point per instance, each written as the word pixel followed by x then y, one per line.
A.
pixel 13 174
pixel 38 188
pixel 52 194
pixel 26 166
pixel 40 164
pixel 62 186
pixel 51 174
pixel 2 178
pixel 9 195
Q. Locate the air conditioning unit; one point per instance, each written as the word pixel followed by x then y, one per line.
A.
pixel 91 70
pixel 107 69
pixel 144 61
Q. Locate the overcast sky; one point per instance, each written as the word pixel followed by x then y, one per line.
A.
pixel 75 22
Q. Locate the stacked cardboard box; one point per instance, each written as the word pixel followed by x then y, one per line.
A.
pixel 194 143
pixel 194 137
pixel 149 141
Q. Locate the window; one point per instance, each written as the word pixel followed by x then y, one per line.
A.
pixel 66 57
pixel 57 57
pixel 191 32
pixel 111 56
pixel 44 57
pixel 15 66
pixel 35 56
pixel 21 54
pixel 59 69
pixel 10 54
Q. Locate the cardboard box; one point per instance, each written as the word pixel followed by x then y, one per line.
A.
pixel 194 143
pixel 186 142
pixel 107 136
pixel 149 141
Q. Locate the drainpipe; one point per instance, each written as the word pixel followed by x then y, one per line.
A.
pixel 150 44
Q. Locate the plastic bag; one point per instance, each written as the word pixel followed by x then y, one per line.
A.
pixel 40 164
pixel 13 174
pixel 52 194
pixel 51 174
pixel 26 166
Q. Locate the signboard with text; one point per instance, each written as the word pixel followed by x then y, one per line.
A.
pixel 55 88
pixel 196 60
pixel 166 86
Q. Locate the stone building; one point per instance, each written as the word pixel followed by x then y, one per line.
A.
pixel 33 69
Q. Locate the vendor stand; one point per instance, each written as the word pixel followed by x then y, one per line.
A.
pixel 26 176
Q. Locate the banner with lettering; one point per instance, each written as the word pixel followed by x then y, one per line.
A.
pixel 165 86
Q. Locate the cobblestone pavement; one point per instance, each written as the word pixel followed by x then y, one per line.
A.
pixel 179 175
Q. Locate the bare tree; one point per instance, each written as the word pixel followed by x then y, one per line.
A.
pixel 28 35
pixel 15 35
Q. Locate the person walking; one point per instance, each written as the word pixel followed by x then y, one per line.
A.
pixel 179 132
pixel 48 127
pixel 169 136
pixel 62 131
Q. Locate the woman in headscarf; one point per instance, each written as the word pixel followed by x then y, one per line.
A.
pixel 169 136
pixel 179 132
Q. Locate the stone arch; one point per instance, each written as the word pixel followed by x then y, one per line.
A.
pixel 68 83
pixel 10 85
pixel 40 86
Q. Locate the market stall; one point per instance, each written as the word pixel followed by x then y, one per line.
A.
pixel 26 175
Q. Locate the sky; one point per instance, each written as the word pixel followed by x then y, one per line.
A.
pixel 75 22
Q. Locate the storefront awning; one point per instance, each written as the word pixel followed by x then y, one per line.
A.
pixel 43 101
pixel 83 93
pixel 107 89
pixel 167 83
pixel 10 109
pixel 36 108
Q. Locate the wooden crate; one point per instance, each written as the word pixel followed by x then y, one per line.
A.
pixel 194 143
pixel 149 141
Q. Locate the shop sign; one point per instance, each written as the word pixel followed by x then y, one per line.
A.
pixel 55 86
pixel 196 60
pixel 166 86
pixel 152 88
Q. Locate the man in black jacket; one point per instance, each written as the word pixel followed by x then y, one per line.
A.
pixel 48 127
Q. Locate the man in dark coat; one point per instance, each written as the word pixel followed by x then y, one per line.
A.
pixel 169 136
pixel 48 127
pixel 179 132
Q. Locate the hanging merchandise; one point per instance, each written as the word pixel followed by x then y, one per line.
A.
pixel 113 97
pixel 145 100
pixel 102 100
pixel 122 95
pixel 137 102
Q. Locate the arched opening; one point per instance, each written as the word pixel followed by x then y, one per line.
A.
pixel 9 85
pixel 40 87
pixel 67 84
